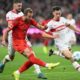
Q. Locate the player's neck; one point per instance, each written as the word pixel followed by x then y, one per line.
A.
pixel 15 11
pixel 56 19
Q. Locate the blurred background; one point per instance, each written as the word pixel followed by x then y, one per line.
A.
pixel 42 10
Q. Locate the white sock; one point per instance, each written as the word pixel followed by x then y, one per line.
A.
pixel 17 72
pixel 76 65
pixel 46 65
pixel 37 68
pixel 58 53
pixel 6 59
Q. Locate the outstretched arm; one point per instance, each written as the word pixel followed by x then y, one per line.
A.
pixel 73 27
pixel 47 35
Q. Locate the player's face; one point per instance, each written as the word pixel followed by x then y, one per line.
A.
pixel 69 16
pixel 18 7
pixel 29 15
pixel 57 14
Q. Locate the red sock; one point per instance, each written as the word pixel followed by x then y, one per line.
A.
pixel 25 66
pixel 35 60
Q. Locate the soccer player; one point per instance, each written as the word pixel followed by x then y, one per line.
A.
pixel 59 25
pixel 10 16
pixel 19 28
pixel 46 41
pixel 71 37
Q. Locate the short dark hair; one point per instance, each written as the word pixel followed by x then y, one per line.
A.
pixel 17 1
pixel 56 8
pixel 28 10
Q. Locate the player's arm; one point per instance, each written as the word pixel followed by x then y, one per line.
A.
pixel 48 35
pixel 38 25
pixel 11 24
pixel 41 26
pixel 5 36
pixel 73 27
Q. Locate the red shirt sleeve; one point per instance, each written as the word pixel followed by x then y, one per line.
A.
pixel 33 22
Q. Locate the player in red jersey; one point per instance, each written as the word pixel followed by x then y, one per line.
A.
pixel 19 28
pixel 46 41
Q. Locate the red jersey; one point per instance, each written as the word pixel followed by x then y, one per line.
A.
pixel 19 33
pixel 44 23
pixel 20 27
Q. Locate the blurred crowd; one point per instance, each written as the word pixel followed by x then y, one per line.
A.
pixel 42 9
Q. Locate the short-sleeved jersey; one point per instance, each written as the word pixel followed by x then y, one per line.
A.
pixel 58 27
pixel 11 15
pixel 20 28
pixel 55 26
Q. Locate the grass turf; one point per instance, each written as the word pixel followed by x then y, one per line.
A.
pixel 64 71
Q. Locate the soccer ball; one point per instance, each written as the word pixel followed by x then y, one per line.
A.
pixel 76 55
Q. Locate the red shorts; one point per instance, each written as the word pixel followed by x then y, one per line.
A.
pixel 20 45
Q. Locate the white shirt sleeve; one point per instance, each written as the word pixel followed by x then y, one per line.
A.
pixel 49 27
pixel 9 16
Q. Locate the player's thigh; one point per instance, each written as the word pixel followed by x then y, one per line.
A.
pixel 67 53
pixel 28 51
pixel 64 49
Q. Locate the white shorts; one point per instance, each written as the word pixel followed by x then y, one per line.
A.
pixel 71 37
pixel 62 46
pixel 11 50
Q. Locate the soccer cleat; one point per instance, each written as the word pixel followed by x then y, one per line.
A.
pixel 52 65
pixel 16 76
pixel 41 76
pixel 1 67
pixel 51 52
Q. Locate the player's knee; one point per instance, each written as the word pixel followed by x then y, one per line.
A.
pixel 28 52
pixel 32 58
pixel 68 57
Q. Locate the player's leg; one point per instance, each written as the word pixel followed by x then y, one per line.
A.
pixel 68 55
pixel 55 52
pixel 9 56
pixel 34 60
pixel 38 71
pixel 45 47
pixel 37 67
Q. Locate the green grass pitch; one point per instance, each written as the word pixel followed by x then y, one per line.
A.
pixel 64 71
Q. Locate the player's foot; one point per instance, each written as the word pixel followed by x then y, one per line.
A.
pixel 51 52
pixel 1 67
pixel 16 76
pixel 41 76
pixel 52 65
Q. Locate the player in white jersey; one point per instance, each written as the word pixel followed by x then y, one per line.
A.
pixel 71 35
pixel 58 25
pixel 10 16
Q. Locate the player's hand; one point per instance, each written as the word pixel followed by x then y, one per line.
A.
pixel 67 24
pixel 4 43
pixel 56 36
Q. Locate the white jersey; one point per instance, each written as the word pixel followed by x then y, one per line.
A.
pixel 58 27
pixel 71 34
pixel 10 16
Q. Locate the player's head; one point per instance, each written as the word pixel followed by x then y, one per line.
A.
pixel 17 5
pixel 28 13
pixel 69 16
pixel 56 12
